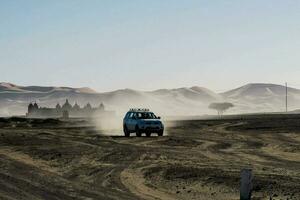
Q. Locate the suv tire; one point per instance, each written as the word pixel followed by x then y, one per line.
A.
pixel 137 132
pixel 148 134
pixel 161 133
pixel 126 132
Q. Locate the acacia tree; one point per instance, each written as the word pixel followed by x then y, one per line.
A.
pixel 220 107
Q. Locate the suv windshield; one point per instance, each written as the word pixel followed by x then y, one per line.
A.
pixel 146 115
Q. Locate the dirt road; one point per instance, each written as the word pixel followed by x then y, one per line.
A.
pixel 200 159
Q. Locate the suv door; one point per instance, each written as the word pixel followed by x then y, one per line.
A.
pixel 134 120
pixel 130 122
pixel 125 120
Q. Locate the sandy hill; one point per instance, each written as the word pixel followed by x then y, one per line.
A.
pixel 181 101
pixel 263 97
pixel 258 97
pixel 9 87
pixel 259 90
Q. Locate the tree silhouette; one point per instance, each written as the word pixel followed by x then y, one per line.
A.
pixel 220 107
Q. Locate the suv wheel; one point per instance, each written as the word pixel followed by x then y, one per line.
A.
pixel 126 132
pixel 148 134
pixel 138 132
pixel 161 133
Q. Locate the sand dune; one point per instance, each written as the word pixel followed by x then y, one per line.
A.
pixel 250 98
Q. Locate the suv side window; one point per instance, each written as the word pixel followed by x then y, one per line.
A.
pixel 139 115
pixel 127 115
pixel 134 116
pixel 131 115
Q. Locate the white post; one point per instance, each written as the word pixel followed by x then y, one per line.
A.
pixel 246 184
pixel 286 97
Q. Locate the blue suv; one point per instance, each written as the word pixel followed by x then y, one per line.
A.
pixel 142 121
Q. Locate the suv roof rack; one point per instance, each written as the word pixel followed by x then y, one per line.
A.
pixel 139 109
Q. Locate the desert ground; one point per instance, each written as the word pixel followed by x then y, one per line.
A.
pixel 196 159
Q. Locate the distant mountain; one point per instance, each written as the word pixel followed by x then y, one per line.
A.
pixel 181 101
pixel 194 93
pixel 262 97
pixel 259 90
pixel 9 87
pixel 167 101
pixel 257 97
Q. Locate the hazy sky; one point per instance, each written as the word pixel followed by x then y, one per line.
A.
pixel 149 44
